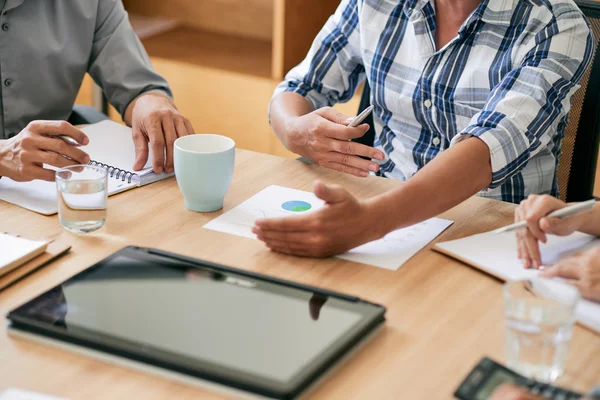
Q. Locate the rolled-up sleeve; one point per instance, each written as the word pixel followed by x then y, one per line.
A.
pixel 119 63
pixel 525 110
pixel 333 68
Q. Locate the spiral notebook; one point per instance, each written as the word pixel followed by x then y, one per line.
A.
pixel 110 147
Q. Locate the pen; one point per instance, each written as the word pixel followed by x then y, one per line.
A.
pixel 361 117
pixel 68 140
pixel 565 212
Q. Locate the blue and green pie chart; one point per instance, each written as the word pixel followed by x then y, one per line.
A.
pixel 296 206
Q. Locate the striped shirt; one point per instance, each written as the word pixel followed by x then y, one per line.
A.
pixel 507 78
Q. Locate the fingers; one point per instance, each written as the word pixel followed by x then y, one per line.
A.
pixel 285 224
pixel 170 135
pixel 297 239
pixel 53 159
pixel 357 149
pixel 189 127
pixel 60 148
pixel 181 128
pixel 347 169
pixel 54 128
pixel 331 194
pixel 37 172
pixel 533 258
pixel 332 115
pixel 558 226
pixel 567 269
pixel 141 149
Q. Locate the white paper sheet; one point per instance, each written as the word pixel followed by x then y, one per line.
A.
pixel 399 246
pixel 496 254
pixel 390 252
pixel 19 394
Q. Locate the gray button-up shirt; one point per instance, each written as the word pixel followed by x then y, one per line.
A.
pixel 47 46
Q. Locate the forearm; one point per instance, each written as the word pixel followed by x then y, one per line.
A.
pixel 449 179
pixel 285 107
pixel 129 111
pixel 591 222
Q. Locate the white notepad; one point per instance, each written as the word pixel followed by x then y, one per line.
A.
pixel 16 251
pixel 391 252
pixel 111 147
pixel 496 254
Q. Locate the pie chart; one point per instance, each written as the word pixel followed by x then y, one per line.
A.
pixel 296 206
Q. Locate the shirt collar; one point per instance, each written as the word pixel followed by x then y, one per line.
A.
pixel 10 4
pixel 494 12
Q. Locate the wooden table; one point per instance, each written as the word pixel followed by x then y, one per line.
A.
pixel 442 316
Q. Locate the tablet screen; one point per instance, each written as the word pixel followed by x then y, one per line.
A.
pixel 198 317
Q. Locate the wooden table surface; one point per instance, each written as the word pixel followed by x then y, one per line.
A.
pixel 442 316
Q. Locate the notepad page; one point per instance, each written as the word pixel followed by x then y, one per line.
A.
pixel 496 254
pixel 112 144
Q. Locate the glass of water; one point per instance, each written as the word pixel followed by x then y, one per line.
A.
pixel 540 314
pixel 82 197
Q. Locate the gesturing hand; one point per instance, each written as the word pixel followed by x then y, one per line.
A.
pixel 155 119
pixel 580 270
pixel 324 137
pixel 534 210
pixel 23 156
pixel 341 225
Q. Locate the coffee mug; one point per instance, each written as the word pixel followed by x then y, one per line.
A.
pixel 204 168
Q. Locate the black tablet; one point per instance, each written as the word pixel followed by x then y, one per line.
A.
pixel 242 330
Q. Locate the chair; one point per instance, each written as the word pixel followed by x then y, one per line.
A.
pixel 577 163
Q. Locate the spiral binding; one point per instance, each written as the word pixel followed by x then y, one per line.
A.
pixel 113 172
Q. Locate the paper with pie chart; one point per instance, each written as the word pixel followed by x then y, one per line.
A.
pixel 276 201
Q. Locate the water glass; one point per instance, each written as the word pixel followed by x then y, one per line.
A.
pixel 82 197
pixel 540 314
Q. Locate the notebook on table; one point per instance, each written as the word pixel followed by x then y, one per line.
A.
pixel 111 147
pixel 496 254
pixel 16 251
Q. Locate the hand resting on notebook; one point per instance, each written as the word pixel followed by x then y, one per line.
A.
pixel 22 157
pixel 156 123
pixel 581 270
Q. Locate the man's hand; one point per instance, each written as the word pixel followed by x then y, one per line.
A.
pixel 580 270
pixel 534 210
pixel 324 137
pixel 155 119
pixel 23 156
pixel 341 225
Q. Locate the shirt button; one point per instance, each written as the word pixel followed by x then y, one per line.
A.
pixel 5 27
pixel 7 82
pixel 427 103
pixel 436 141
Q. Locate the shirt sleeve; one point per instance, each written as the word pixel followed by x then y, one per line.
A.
pixel 333 68
pixel 119 63
pixel 530 106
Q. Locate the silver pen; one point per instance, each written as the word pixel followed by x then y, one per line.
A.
pixel 565 212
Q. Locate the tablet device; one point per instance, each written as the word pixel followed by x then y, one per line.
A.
pixel 201 320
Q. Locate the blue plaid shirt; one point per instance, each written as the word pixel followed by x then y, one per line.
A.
pixel 507 78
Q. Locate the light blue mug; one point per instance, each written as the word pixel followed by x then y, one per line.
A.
pixel 204 168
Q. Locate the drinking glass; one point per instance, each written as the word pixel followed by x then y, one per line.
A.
pixel 82 197
pixel 540 314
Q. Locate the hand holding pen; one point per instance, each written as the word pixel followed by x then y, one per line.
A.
pixel 539 216
pixel 54 143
